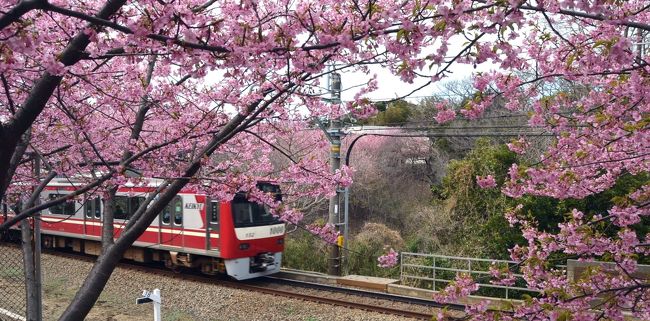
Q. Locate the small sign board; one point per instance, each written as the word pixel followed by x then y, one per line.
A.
pixel 151 296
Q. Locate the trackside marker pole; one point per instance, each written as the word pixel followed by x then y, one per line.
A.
pixel 154 297
pixel 156 306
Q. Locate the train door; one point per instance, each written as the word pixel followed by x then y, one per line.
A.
pixel 212 225
pixel 171 223
pixel 92 217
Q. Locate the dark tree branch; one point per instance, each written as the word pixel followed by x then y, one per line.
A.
pixel 5 84
pixel 111 254
pixel 100 21
pixel 18 11
pixel 15 160
pixel 43 155
pixel 41 186
pixel 109 217
pixel 598 17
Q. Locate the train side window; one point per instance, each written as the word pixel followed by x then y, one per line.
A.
pixel 98 207
pixel 88 208
pixel 134 204
pixel 166 215
pixel 66 208
pixel 178 211
pixel 126 206
pixel 121 207
pixel 92 208
pixel 214 212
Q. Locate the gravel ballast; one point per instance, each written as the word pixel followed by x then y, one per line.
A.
pixel 182 299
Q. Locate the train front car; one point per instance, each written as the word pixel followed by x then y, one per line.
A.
pixel 252 239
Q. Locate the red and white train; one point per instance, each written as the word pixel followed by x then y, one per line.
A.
pixel 239 238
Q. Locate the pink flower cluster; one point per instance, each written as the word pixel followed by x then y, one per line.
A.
pixel 486 182
pixel 326 232
pixel 461 287
pixel 588 86
pixel 518 146
pixel 445 114
pixel 502 276
pixel 388 260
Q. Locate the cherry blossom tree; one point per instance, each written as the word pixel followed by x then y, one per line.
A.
pixel 392 176
pixel 174 90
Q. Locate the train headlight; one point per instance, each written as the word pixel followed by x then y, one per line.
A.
pixel 244 246
pixel 280 241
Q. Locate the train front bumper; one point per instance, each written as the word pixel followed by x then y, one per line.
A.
pixel 252 267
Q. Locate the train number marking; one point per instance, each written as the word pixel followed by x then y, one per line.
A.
pixel 277 230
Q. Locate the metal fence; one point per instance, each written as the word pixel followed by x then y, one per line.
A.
pixel 435 272
pixel 12 278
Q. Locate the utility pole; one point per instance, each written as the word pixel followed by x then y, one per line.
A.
pixel 334 133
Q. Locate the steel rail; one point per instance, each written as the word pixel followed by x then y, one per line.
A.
pixel 331 301
pixel 370 294
pixel 196 276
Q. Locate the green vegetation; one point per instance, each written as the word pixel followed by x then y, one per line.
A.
pixel 305 252
pixel 11 272
pixel 457 218
pixel 372 242
pixel 479 228
pixel 476 214
pixel 390 114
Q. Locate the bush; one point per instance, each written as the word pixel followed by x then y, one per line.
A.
pixel 303 251
pixel 372 242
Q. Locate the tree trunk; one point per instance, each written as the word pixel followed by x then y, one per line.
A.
pixel 16 156
pixel 108 218
pixel 28 269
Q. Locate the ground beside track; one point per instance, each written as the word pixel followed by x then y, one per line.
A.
pixel 182 299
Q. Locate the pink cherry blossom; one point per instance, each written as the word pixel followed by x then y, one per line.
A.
pixel 518 146
pixel 326 232
pixel 445 114
pixel 388 260
pixel 486 182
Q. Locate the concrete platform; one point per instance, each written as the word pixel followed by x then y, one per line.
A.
pixel 367 282
pixel 307 276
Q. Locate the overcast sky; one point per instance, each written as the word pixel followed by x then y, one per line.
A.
pixel 391 86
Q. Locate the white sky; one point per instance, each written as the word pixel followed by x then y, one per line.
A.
pixel 391 86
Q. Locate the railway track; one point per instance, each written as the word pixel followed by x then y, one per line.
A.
pixel 338 302
pixel 366 293
pixel 256 286
pixel 263 285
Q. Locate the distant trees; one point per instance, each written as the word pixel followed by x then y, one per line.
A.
pixel 394 113
pixel 392 178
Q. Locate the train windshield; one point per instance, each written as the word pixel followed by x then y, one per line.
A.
pixel 247 213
